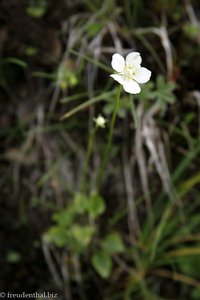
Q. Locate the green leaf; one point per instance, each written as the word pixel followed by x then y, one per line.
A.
pixel 94 29
pixel 191 30
pixel 113 243
pixel 80 203
pixel 195 293
pixel 96 205
pixel 13 257
pixel 37 9
pixel 31 51
pixel 190 266
pixel 82 234
pixel 66 77
pixel 146 91
pixel 124 105
pixel 102 263
pixel 65 217
pixel 164 91
pixel 57 235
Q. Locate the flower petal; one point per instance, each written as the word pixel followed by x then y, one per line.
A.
pixel 133 59
pixel 118 62
pixel 143 75
pixel 132 87
pixel 118 78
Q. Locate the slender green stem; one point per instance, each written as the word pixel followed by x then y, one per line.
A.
pixel 109 142
pixel 133 110
pixel 87 158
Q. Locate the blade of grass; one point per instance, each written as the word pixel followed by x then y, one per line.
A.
pixel 15 61
pixel 149 47
pixel 39 74
pixel 185 162
pixel 148 227
pixel 176 277
pixel 91 60
pixel 88 103
pixel 188 184
pixel 73 97
pixel 159 231
pixel 187 251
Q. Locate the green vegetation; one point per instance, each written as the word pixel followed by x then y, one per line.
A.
pixel 92 212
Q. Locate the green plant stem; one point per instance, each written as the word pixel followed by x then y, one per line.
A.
pixel 87 158
pixel 133 110
pixel 109 142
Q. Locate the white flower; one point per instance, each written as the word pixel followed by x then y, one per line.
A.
pixel 100 121
pixel 129 71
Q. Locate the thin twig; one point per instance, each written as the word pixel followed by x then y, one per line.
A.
pixel 133 222
pixel 51 264
pixel 66 275
pixel 141 161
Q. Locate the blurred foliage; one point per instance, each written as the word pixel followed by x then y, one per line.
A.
pixel 77 236
pixel 36 8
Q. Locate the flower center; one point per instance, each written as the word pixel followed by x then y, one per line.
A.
pixel 129 72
